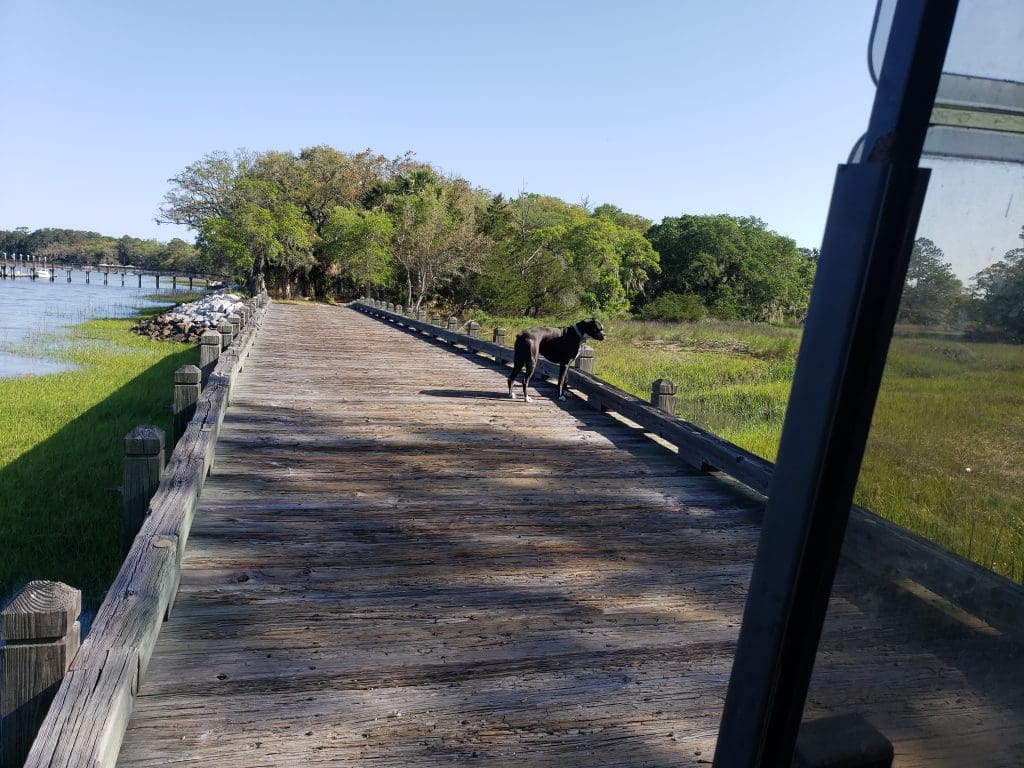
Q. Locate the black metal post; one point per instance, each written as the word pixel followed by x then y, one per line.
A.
pixel 868 237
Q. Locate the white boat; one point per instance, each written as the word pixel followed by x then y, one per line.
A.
pixel 43 273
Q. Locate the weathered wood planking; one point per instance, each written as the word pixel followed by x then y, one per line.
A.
pixel 85 723
pixel 871 541
pixel 394 565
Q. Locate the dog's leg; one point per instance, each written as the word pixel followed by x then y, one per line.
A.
pixel 517 365
pixel 563 374
pixel 524 352
pixel 531 364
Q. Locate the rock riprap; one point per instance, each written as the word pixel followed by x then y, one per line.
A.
pixel 188 322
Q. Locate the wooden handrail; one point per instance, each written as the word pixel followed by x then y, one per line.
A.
pixel 872 542
pixel 89 714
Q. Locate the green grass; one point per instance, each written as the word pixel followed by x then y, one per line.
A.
pixel 732 379
pixel 181 296
pixel 943 453
pixel 60 459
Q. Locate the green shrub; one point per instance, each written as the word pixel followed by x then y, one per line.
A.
pixel 674 307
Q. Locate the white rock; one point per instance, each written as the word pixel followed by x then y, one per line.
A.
pixel 207 312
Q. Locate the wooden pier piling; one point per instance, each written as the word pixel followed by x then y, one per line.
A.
pixel 143 466
pixel 186 394
pixel 41 635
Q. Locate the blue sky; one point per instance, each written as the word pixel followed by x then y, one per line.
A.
pixel 661 108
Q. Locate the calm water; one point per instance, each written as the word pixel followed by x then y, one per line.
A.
pixel 32 307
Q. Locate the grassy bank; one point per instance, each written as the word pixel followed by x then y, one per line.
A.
pixel 942 454
pixel 60 459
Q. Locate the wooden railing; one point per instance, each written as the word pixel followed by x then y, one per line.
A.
pixel 871 541
pixel 89 713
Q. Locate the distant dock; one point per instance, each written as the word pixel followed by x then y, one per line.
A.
pixel 39 269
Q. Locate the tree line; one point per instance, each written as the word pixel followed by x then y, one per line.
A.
pixel 91 248
pixel 991 305
pixel 329 224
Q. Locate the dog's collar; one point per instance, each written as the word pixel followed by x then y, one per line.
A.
pixel 578 331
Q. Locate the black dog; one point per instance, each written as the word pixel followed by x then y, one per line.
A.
pixel 559 345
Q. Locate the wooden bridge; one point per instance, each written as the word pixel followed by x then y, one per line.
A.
pixel 47 270
pixel 393 564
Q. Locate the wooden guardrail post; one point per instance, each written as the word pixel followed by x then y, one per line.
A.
pixel 663 396
pixel 209 352
pixel 391 306
pixel 227 332
pixel 420 314
pixel 453 323
pixel 399 309
pixel 498 336
pixel 236 326
pixel 186 395
pixel 473 331
pixel 41 633
pixel 585 359
pixel 143 466
pixel 435 319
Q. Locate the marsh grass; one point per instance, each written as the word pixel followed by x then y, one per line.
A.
pixel 943 452
pixel 181 296
pixel 62 449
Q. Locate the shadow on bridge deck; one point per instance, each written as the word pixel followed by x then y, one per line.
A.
pixel 394 564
